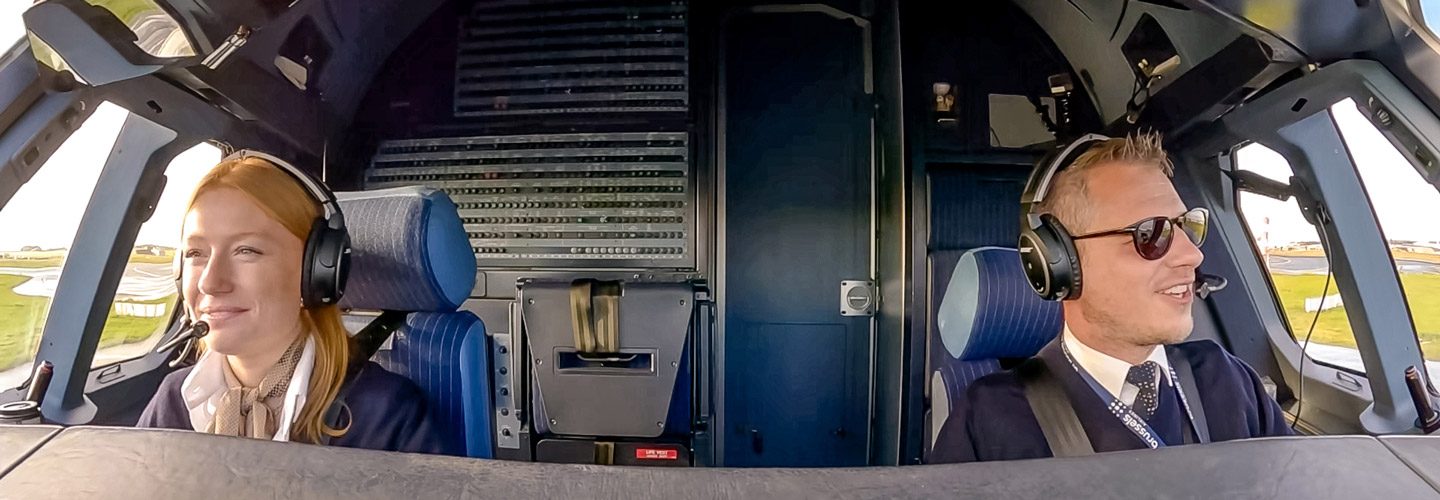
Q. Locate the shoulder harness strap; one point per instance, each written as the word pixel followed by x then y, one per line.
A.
pixel 1052 408
pixel 367 341
pixel 1181 363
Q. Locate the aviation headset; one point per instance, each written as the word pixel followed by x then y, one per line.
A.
pixel 1047 251
pixel 326 264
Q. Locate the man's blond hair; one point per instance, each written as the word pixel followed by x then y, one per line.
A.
pixel 1067 199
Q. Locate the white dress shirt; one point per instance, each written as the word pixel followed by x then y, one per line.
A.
pixel 1111 372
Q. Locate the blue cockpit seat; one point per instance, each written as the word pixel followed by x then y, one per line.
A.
pixel 411 254
pixel 971 206
pixel 988 317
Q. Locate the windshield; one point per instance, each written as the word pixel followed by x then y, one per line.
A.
pixel 12 27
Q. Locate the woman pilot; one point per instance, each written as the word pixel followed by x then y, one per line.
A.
pixel 273 367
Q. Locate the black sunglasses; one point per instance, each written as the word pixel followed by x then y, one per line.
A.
pixel 1153 236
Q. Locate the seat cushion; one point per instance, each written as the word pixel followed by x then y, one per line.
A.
pixel 948 384
pixel 446 354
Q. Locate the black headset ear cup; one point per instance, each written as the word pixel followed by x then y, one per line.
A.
pixel 326 265
pixel 1034 263
pixel 1050 262
pixel 1063 261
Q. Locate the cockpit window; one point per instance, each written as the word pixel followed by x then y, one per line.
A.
pixel 12 27
pixel 1428 12
pixel 1405 204
pixel 146 297
pixel 37 227
pixel 1295 257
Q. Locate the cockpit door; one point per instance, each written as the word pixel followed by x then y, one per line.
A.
pixel 795 227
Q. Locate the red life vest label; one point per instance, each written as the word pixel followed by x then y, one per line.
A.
pixel 656 454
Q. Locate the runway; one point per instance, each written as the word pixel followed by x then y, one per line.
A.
pixel 141 281
pixel 1317 265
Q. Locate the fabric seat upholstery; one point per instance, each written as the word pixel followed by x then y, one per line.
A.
pixel 971 206
pixel 988 313
pixel 410 253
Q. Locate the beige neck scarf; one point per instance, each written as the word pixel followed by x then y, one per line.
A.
pixel 250 411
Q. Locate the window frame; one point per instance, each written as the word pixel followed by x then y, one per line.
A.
pixel 105 374
pixel 1393 141
pixel 90 276
pixel 34 122
pixel 1289 120
pixel 1416 9
pixel 157 104
pixel 57 173
pixel 1269 280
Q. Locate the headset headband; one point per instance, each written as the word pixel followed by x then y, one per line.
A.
pixel 328 205
pixel 1040 179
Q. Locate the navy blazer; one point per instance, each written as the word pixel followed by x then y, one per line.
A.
pixel 387 412
pixel 994 420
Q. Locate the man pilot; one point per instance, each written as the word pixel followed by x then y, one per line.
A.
pixel 1116 377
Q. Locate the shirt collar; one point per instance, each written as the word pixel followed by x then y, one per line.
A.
pixel 207 382
pixel 1107 370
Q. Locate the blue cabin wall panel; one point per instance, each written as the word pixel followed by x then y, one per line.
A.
pixel 797 222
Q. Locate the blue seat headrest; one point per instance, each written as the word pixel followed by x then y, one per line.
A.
pixel 989 310
pixel 409 250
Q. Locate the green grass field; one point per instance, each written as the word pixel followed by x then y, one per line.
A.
pixel 22 320
pixel 1333 327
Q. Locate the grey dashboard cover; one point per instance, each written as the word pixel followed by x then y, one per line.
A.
pixel 654 321
pixel 144 464
pixel 1421 453
pixel 17 441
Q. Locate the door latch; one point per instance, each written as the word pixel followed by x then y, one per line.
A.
pixel 858 298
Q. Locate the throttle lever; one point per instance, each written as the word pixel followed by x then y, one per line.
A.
pixel 1428 420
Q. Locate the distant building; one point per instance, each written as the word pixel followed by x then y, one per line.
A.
pixel 150 249
pixel 1300 246
pixel 1426 247
pixel 34 253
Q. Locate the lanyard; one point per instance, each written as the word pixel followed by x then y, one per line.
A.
pixel 1126 414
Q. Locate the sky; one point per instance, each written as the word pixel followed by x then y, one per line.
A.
pixel 1404 203
pixel 62 193
pixel 11 26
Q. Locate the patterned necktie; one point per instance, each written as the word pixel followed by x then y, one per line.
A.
pixel 1142 376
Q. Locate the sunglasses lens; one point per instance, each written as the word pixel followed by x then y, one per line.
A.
pixel 1152 237
pixel 1195 224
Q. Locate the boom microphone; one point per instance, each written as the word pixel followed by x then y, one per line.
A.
pixel 195 332
pixel 1206 284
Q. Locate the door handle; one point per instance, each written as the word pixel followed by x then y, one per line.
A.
pixel 108 374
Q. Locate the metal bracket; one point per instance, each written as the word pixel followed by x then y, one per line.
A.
pixel 507 413
pixel 858 298
pixel 231 43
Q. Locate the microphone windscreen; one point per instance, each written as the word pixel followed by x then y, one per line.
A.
pixel 1205 284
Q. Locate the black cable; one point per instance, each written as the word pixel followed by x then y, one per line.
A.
pixel 1300 392
pixel 1135 106
pixel 1120 20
